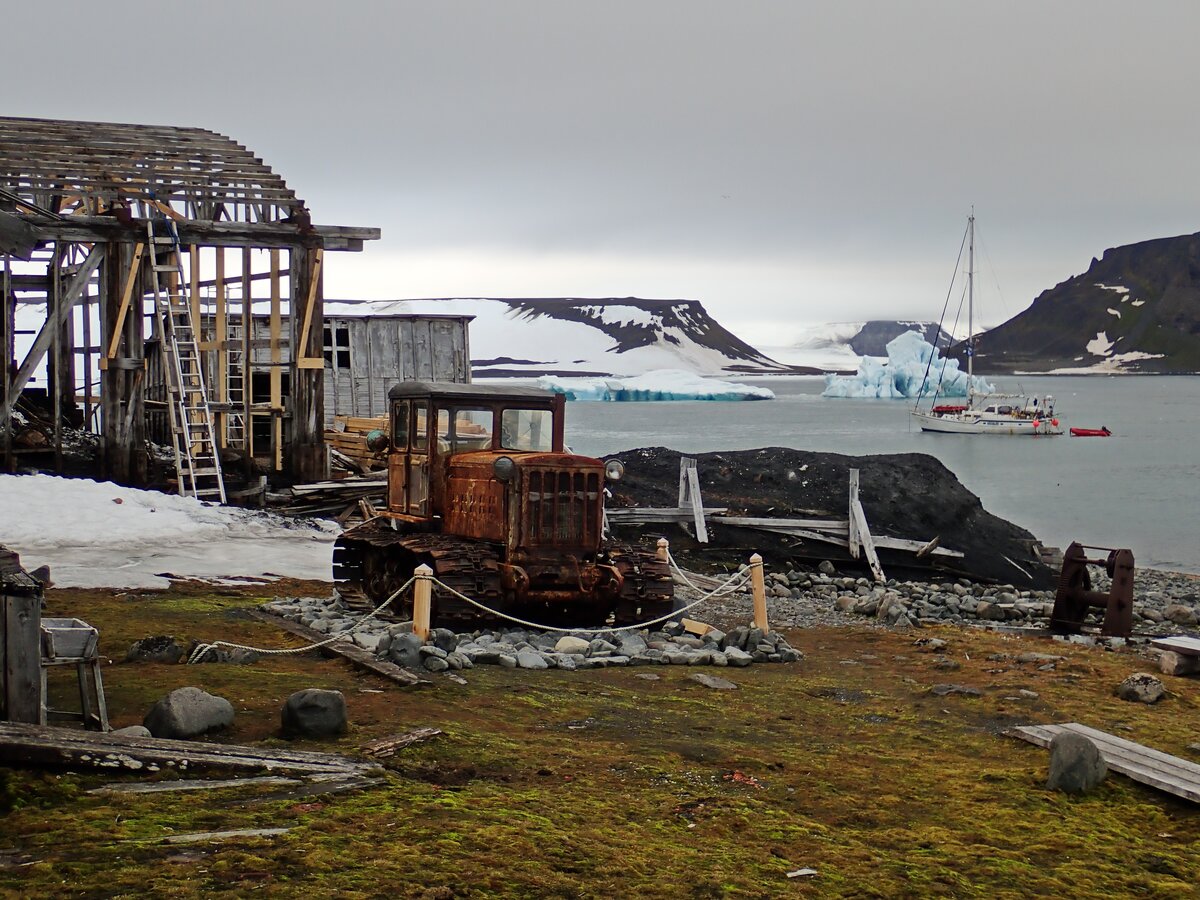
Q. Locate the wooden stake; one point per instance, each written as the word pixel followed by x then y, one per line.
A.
pixel 760 592
pixel 422 601
pixel 663 550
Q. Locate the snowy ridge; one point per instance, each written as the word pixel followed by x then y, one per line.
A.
pixel 577 337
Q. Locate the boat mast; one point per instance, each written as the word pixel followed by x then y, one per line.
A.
pixel 971 295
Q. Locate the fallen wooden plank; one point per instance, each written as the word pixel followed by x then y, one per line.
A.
pixel 43 745
pixel 837 526
pixel 189 784
pixel 202 836
pixel 388 746
pixel 639 514
pixel 345 649
pixel 1179 643
pixel 865 539
pixel 1143 764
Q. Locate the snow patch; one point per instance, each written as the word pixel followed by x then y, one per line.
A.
pixel 1138 303
pixel 1118 363
pixel 1115 288
pixel 1114 312
pixel 664 384
pixel 903 374
pixel 1100 345
pixel 99 534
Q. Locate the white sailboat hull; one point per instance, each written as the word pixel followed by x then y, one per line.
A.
pixel 958 423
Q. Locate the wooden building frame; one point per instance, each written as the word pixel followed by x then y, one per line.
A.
pixel 74 199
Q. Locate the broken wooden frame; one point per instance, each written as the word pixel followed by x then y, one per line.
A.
pixel 69 246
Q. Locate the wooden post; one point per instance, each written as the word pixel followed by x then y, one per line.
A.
pixel 663 550
pixel 422 601
pixel 21 697
pixel 760 592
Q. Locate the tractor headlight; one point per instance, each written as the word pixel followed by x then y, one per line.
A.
pixel 377 440
pixel 614 470
pixel 504 468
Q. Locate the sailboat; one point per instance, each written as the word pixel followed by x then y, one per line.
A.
pixel 1002 414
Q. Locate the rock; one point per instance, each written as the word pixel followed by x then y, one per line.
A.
pixel 232 655
pixel 789 655
pixel 736 657
pixel 992 612
pixel 573 645
pixel 445 639
pixel 845 603
pixel 406 650
pixel 187 712
pixel 946 664
pixel 736 638
pixel 929 645
pixel 1039 658
pixel 688 642
pixel 161 648
pixel 1181 615
pixel 1076 765
pixel 713 681
pixel 826 567
pixel 1172 663
pixel 632 645
pixel 1141 687
pixel 507 661
pixel 648 676
pixel 436 663
pixel 131 731
pixel 1028 694
pixel 369 642
pixel 314 713
pixel 941 690
pixel 600 647
pixel 531 659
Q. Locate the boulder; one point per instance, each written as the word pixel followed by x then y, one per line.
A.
pixel 1076 765
pixel 1141 687
pixel 405 650
pixel 314 713
pixel 572 645
pixel 531 659
pixel 160 648
pixel 131 731
pixel 713 681
pixel 1181 615
pixel 187 712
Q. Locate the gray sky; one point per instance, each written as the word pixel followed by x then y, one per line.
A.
pixel 783 162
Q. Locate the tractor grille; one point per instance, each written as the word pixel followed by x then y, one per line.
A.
pixel 562 508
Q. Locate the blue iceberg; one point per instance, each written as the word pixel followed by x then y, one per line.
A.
pixel 903 374
pixel 660 384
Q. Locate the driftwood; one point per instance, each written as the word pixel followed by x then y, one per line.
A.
pixel 42 745
pixel 346 649
pixel 385 747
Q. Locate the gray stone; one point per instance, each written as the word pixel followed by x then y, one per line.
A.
pixel 1141 687
pixel 436 663
pixel 161 648
pixel 1076 765
pixel 716 637
pixel 736 657
pixel 568 662
pixel 717 658
pixel 1181 615
pixel 187 712
pixel 369 642
pixel 929 645
pixel 459 661
pixel 507 661
pixel 689 642
pixel 790 655
pixel 632 645
pixel 314 713
pixel 445 639
pixel 941 690
pixel 406 650
pixel 545 642
pixel 737 637
pixel 573 645
pixel 131 731
pixel 1039 658
pixel 531 659
pixel 826 567
pixel 648 676
pixel 599 647
pixel 713 681
pixel 845 603
pixel 677 657
pixel 430 650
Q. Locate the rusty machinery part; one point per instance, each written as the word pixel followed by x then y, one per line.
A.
pixel 647 591
pixel 373 561
pixel 1075 595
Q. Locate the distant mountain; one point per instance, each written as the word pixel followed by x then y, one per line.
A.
pixel 1136 309
pixel 609 336
pixel 873 337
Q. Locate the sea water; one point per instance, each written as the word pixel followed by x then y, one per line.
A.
pixel 1139 488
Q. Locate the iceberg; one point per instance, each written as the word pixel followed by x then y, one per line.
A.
pixel 903 374
pixel 659 384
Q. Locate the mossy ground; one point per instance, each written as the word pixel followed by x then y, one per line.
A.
pixel 601 783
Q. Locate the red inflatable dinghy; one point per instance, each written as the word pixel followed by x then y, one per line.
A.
pixel 1090 432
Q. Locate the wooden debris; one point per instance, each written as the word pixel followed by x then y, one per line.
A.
pixel 1142 764
pixel 347 440
pixel 42 745
pixel 203 836
pixel 190 784
pixel 385 747
pixel 699 629
pixel 1181 654
pixel 331 497
pixel 346 649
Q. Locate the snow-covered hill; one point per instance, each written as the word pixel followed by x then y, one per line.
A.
pixel 838 347
pixel 569 336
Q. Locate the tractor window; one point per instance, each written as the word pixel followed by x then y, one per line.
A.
pixel 527 429
pixel 472 429
pixel 420 417
pixel 400 426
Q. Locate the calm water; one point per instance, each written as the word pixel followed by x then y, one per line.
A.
pixel 1139 488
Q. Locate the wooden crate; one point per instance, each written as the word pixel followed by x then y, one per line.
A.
pixel 65 638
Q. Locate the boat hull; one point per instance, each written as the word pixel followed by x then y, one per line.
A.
pixel 996 425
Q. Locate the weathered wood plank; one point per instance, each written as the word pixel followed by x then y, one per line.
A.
pixel 345 649
pixel 204 836
pixel 1143 764
pixel 190 784
pixel 1179 643
pixel 867 542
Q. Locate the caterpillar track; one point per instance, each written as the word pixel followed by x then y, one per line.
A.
pixel 373 561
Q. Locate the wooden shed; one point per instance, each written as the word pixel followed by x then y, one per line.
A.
pixel 116 234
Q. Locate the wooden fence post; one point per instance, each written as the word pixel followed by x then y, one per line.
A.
pixel 663 551
pixel 760 592
pixel 422 601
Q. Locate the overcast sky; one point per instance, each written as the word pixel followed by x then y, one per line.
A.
pixel 782 162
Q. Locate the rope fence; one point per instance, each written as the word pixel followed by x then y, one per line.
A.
pixel 423 581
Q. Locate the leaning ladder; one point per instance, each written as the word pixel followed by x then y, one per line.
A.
pixel 197 461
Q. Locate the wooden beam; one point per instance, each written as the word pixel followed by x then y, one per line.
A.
pixel 50 329
pixel 126 295
pixel 304 360
pixel 276 370
pixel 284 235
pixel 17 236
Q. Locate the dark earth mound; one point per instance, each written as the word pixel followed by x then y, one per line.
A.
pixel 907 495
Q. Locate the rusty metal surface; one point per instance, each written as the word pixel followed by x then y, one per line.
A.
pixel 1075 596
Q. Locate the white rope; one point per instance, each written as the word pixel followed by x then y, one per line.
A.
pixel 723 588
pixel 202 649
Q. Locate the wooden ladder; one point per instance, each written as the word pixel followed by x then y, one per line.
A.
pixel 197 460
